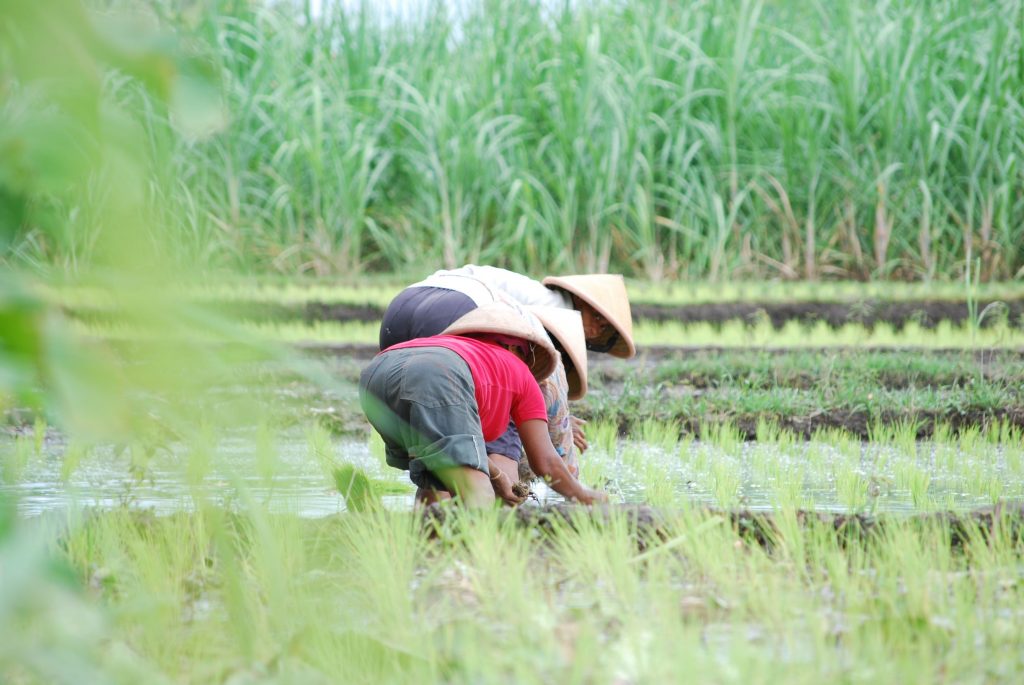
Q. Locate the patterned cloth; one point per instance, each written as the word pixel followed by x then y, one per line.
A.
pixel 555 389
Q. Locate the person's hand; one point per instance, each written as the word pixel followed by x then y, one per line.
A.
pixel 578 438
pixel 589 496
pixel 502 485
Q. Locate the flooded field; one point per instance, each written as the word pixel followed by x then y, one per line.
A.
pixel 842 514
pixel 293 473
pixel 234 553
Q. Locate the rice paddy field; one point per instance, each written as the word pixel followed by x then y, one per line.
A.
pixel 815 462
pixel 831 508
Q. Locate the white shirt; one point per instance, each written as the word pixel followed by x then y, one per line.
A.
pixel 488 284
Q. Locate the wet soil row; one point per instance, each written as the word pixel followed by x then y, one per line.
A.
pixel 669 396
pixel 926 313
pixel 663 353
pixel 855 422
pixel 761 528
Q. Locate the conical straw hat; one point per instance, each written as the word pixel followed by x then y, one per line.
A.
pixel 504 319
pixel 606 293
pixel 566 326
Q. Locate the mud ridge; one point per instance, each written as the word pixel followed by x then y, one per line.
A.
pixel 927 313
pixel 854 422
pixel 762 528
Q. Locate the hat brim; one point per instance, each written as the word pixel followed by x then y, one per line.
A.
pixel 566 326
pixel 502 319
pixel 606 294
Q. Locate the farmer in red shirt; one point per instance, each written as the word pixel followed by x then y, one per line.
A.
pixel 437 400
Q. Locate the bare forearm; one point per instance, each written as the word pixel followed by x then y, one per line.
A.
pixel 552 469
pixel 546 463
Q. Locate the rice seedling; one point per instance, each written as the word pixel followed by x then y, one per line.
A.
pixel 321 447
pixel 1013 455
pixel 660 486
pixel 851 489
pixel 199 456
pixel 16 458
pixel 994 489
pixel 596 469
pixel 400 604
pixel 603 436
pixel 39 434
pixel 74 454
pixel 764 460
pixel 767 431
pixel 723 435
pixel 970 439
pixel 729 334
pixel 913 478
pixel 726 480
pixel 662 434
pixel 265 451
pixel 795 336
pixel 787 489
pixel 904 437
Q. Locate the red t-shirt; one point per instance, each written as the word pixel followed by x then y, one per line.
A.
pixel 504 385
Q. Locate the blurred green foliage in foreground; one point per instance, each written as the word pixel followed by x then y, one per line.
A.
pixel 74 85
pixel 73 152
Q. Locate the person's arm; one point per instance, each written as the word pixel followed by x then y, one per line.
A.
pixel 546 463
pixel 555 390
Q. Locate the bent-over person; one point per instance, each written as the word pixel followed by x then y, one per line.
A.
pixel 437 400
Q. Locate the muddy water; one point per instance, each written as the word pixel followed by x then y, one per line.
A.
pixel 288 478
pixel 234 476
pixel 858 477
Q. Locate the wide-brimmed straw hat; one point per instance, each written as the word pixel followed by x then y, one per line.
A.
pixel 606 293
pixel 566 327
pixel 510 320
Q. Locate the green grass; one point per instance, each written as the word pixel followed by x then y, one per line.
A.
pixel 735 334
pixel 211 596
pixel 377 290
pixel 703 140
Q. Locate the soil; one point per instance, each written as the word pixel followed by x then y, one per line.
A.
pixel 759 527
pixel 855 423
pixel 614 374
pixel 660 353
pixel 927 313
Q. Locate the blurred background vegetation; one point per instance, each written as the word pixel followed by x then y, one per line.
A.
pixel 702 140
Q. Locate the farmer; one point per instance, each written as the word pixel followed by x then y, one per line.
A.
pixel 437 400
pixel 600 299
pixel 426 307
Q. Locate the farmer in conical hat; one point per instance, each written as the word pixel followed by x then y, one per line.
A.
pixel 423 310
pixel 600 299
pixel 436 400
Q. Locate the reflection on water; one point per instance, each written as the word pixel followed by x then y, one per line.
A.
pixel 856 476
pixel 296 482
pixel 289 475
